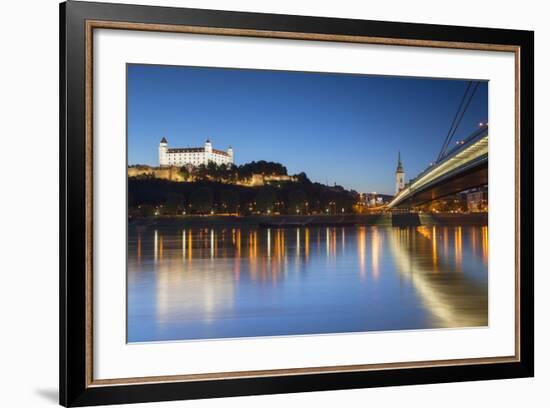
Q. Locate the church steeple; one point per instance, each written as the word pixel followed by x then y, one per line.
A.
pixel 399 164
pixel 399 175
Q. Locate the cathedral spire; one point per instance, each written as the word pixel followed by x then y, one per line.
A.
pixel 399 164
pixel 399 175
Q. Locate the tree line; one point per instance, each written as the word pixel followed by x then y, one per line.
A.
pixel 230 172
pixel 150 196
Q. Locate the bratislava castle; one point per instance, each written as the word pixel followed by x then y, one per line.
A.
pixel 194 156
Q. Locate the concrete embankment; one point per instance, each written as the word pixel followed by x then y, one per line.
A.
pixel 416 219
pixel 454 219
pixel 281 221
pixel 266 221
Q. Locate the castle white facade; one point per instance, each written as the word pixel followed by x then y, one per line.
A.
pixel 399 175
pixel 192 156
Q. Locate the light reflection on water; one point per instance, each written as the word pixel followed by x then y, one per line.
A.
pixel 199 283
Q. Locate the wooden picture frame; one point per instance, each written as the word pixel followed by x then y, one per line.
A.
pixel 77 22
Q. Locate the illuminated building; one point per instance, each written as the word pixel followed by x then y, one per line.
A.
pixel 192 156
pixel 477 200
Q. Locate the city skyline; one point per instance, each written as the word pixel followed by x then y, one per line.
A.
pixel 337 128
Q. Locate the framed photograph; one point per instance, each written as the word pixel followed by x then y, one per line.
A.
pixel 256 203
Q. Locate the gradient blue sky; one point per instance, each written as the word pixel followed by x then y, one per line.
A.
pixel 335 127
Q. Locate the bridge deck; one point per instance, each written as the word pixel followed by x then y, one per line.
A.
pixel 469 159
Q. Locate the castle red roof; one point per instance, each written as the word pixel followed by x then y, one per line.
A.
pixel 219 152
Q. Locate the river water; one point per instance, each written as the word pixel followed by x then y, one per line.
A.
pixel 224 282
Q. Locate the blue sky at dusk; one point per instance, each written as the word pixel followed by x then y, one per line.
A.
pixel 334 127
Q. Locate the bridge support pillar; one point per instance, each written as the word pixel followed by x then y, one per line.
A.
pixel 405 220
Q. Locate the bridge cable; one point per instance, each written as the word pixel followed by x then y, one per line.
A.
pixel 462 115
pixel 449 133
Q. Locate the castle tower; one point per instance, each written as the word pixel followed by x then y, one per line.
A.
pixel 163 152
pixel 208 146
pixel 399 175
pixel 230 153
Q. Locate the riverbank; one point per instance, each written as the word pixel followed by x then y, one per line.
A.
pixel 281 221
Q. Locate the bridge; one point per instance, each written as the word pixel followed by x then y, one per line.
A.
pixel 461 168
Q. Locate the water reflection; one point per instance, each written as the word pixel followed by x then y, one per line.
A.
pixel 192 283
pixel 453 300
